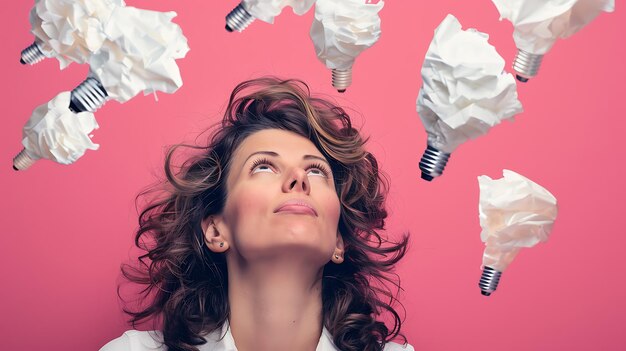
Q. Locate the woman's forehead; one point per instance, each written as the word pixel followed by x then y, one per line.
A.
pixel 284 143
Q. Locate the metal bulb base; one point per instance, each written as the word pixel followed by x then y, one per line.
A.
pixel 489 281
pixel 342 79
pixel 32 54
pixel 238 19
pixel 88 96
pixel 526 65
pixel 433 163
pixel 22 161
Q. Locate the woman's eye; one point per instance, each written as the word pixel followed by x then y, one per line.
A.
pixel 261 165
pixel 262 168
pixel 317 172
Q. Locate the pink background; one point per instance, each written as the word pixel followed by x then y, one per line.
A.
pixel 66 229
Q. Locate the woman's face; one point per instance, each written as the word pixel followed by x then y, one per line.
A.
pixel 281 199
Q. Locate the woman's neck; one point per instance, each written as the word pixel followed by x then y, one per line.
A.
pixel 275 305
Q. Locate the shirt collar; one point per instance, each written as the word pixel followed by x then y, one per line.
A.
pixel 223 340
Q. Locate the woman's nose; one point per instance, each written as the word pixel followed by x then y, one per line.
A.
pixel 297 181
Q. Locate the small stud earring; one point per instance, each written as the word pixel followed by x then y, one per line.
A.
pixel 222 244
pixel 336 256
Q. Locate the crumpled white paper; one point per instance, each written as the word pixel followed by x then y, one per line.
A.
pixel 267 10
pixel 71 30
pixel 342 29
pixel 58 134
pixel 139 53
pixel 465 91
pixel 514 213
pixel 539 23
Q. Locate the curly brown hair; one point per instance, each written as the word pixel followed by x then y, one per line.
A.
pixel 185 284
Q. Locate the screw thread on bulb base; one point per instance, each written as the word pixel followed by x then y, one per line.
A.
pixel 489 281
pixel 22 161
pixel 433 163
pixel 238 19
pixel 88 96
pixel 526 65
pixel 32 54
pixel 342 79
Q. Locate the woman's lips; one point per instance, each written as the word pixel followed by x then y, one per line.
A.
pixel 296 208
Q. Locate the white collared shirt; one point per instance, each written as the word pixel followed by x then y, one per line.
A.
pixel 134 340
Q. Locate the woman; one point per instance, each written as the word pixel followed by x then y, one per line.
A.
pixel 267 237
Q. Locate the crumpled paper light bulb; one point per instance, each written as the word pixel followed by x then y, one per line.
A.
pixel 265 10
pixel 465 92
pixel 69 30
pixel 514 213
pixel 139 54
pixel 539 23
pixel 129 50
pixel 341 30
pixel 56 133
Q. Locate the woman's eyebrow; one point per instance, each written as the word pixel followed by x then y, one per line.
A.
pixel 275 154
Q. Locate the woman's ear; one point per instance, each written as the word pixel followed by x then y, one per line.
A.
pixel 339 250
pixel 214 240
pixel 340 242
